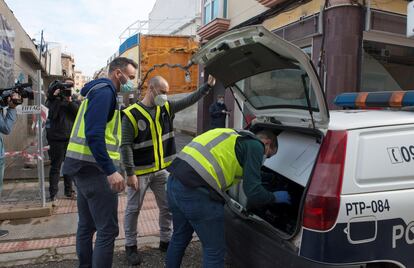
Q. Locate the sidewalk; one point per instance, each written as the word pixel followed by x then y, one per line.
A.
pixel 37 240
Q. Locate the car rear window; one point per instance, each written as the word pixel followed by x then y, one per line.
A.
pixel 278 88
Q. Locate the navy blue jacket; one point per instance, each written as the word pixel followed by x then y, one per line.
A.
pixel 101 107
pixel 217 117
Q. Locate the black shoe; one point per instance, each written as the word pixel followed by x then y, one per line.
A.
pixel 163 246
pixel 132 255
pixel 3 233
pixel 70 194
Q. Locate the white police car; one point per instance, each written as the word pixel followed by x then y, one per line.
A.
pixel 350 172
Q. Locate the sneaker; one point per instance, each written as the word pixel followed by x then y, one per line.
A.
pixel 163 246
pixel 3 233
pixel 132 255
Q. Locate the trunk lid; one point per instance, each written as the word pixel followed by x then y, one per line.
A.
pixel 274 78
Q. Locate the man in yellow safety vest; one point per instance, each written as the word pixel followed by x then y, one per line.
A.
pixel 199 177
pixel 148 148
pixel 93 159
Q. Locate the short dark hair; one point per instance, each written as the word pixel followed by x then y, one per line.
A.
pixel 267 134
pixel 121 63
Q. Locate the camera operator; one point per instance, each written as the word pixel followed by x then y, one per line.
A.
pixel 62 114
pixel 7 120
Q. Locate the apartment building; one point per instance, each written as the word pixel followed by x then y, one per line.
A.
pixel 354 45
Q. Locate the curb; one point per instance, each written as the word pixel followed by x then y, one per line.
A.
pixel 28 211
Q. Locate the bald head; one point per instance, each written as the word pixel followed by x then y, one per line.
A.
pixel 159 84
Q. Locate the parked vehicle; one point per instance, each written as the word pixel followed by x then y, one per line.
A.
pixel 350 172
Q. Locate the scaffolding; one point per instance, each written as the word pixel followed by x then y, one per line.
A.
pixel 167 26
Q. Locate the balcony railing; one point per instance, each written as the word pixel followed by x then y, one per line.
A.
pixel 213 28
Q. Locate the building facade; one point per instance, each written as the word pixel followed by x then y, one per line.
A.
pixel 68 65
pixel 80 81
pixel 354 45
pixel 19 61
pixel 179 17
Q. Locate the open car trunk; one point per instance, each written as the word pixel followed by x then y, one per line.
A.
pixel 278 84
pixel 289 170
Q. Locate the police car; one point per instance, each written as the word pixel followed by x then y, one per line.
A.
pixel 350 172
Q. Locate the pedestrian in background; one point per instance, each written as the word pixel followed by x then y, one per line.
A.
pixel 218 113
pixel 59 123
pixel 93 159
pixel 148 148
pixel 8 117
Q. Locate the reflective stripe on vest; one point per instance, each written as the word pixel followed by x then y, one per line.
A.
pixel 212 155
pixel 78 147
pixel 160 160
pixel 149 143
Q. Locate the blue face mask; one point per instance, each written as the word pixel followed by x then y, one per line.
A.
pixel 128 86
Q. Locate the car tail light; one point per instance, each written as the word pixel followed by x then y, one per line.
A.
pixel 323 196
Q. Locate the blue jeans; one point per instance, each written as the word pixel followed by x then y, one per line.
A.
pixel 98 212
pixel 193 210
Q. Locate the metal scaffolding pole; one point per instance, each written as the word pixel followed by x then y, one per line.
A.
pixel 39 132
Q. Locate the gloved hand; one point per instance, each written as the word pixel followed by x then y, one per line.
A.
pixel 282 197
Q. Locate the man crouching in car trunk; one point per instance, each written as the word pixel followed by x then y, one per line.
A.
pixel 200 175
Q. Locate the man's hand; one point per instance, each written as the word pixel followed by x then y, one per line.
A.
pixel 133 182
pixel 211 81
pixel 10 102
pixel 57 91
pixel 116 181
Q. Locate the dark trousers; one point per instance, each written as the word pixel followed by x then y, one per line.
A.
pixel 97 212
pixel 194 210
pixel 57 152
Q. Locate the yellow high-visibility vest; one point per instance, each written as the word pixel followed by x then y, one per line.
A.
pixel 154 142
pixel 212 155
pixel 78 147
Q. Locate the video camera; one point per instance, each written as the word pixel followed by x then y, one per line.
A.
pixel 65 88
pixel 24 90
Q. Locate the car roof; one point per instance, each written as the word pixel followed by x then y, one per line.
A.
pixel 354 119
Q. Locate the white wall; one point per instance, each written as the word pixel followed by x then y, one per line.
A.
pixel 189 29
pixel 168 16
pixel 55 60
pixel 239 11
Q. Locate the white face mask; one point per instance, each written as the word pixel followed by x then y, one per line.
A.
pixel 160 100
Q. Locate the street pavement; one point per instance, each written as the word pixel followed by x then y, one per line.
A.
pixel 152 258
pixel 52 239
